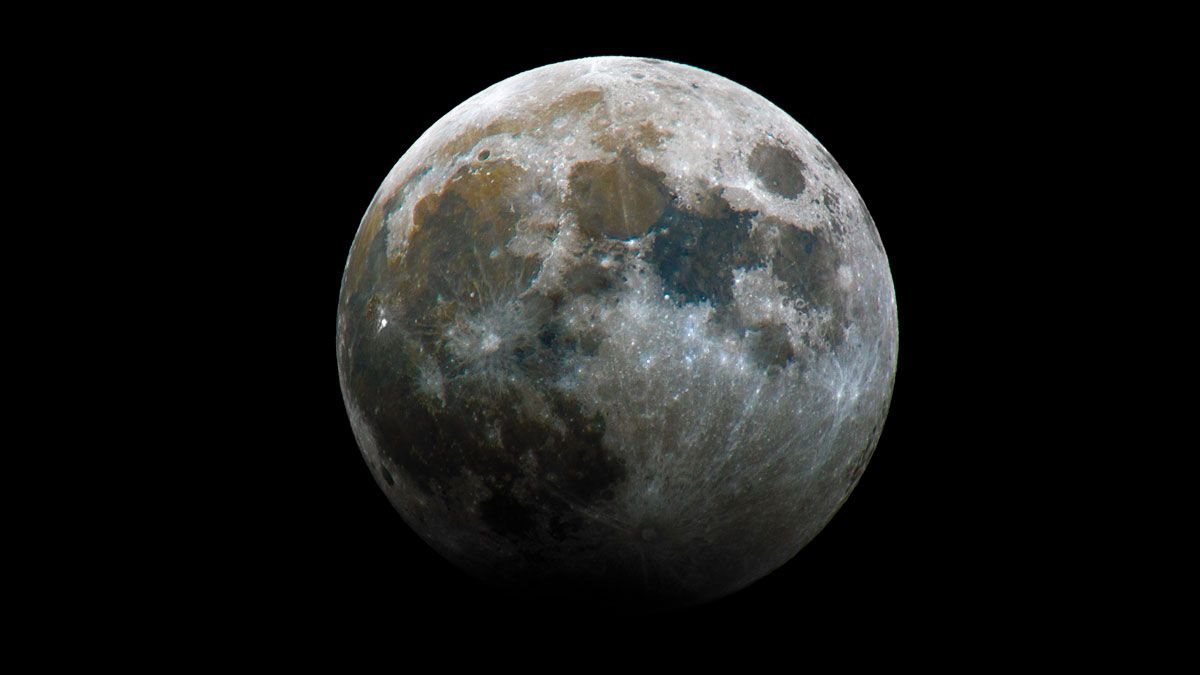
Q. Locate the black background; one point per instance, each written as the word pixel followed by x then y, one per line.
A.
pixel 930 127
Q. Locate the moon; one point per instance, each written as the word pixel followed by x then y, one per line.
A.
pixel 619 331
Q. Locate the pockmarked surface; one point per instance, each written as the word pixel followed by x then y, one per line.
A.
pixel 617 328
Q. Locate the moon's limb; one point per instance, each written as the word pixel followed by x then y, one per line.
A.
pixel 621 325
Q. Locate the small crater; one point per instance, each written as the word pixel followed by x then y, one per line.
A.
pixel 387 475
pixel 778 169
pixel 484 155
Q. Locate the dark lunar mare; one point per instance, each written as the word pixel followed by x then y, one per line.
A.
pixel 696 252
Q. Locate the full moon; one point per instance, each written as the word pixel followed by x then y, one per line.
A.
pixel 617 330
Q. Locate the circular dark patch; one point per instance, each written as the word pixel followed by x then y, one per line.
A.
pixel 778 169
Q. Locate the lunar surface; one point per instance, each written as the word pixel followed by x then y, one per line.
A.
pixel 617 330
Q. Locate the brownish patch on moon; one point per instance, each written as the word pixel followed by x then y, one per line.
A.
pixel 619 199
pixel 481 190
pixel 474 213
pixel 650 136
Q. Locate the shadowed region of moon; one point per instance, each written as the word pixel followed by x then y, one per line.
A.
pixel 617 330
